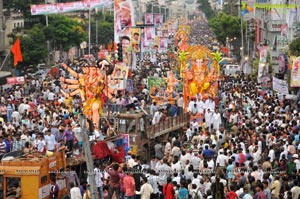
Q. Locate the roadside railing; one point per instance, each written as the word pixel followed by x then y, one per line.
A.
pixel 168 125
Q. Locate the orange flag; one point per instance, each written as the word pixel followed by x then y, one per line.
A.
pixel 16 51
pixel 109 47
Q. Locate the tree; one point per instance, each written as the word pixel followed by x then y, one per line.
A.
pixel 224 26
pixel 105 26
pixel 206 8
pixel 65 32
pixel 33 47
pixel 294 47
pixel 105 32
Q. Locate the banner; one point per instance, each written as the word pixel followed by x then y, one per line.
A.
pixel 263 70
pixel 91 4
pixel 118 79
pixel 295 76
pixel 123 19
pixel 46 9
pixel 158 19
pixel 15 80
pixel 149 33
pixel 135 39
pixel 120 72
pixel 263 52
pixel 280 86
pixel 283 30
pixel 135 35
pixel 149 18
pixel 163 44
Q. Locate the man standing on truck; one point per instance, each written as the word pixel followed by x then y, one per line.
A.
pixel 50 141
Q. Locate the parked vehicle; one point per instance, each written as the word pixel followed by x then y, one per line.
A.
pixel 32 173
pixel 231 69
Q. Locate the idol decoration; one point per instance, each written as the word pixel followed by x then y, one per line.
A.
pixel 198 68
pixel 92 85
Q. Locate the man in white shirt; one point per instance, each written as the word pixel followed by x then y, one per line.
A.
pixel 50 141
pixel 156 117
pixel 146 189
pixel 98 180
pixel 222 159
pixel 271 154
pixel 297 162
pixel 208 119
pixel 75 191
pixel 51 96
pixel 217 121
pixel 189 133
pixel 200 105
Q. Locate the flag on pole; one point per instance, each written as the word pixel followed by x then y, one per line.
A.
pixel 16 51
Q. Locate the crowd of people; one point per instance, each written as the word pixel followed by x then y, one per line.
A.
pixel 245 144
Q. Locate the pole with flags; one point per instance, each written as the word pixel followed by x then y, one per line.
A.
pixel 16 51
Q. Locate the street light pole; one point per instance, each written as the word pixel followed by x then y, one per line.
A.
pixel 242 32
pixel 89 160
pixel 48 42
pixel 89 46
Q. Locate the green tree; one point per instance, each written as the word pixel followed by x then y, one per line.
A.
pixel 224 26
pixel 105 26
pixel 65 32
pixel 205 7
pixel 105 32
pixel 294 47
pixel 33 47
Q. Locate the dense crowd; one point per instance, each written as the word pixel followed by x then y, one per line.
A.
pixel 243 144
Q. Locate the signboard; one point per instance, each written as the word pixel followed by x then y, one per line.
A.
pixel 15 80
pixel 276 26
pixel 295 73
pixel 280 86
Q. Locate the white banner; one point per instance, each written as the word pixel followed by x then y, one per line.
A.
pixel 56 8
pixel 280 86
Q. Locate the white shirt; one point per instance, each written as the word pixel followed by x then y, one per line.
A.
pixel 40 144
pixel 75 193
pixel 154 183
pixel 156 117
pixel 50 141
pixel 222 160
pixel 200 106
pixel 98 177
pixel 297 162
pixel 145 191
pixel 51 96
pixel 271 155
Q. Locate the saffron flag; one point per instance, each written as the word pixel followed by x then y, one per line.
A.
pixel 245 9
pixel 16 51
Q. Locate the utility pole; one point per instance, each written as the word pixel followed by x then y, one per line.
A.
pixel 89 45
pixel 242 33
pixel 48 42
pixel 88 157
